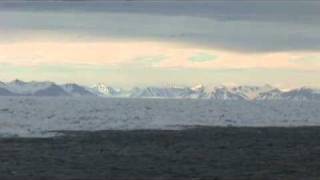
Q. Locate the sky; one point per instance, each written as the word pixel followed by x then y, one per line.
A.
pixel 146 43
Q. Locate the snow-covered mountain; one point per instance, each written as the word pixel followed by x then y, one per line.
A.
pixel 294 94
pixel 251 92
pixel 101 89
pixel 267 92
pixel 198 92
pixel 236 92
pixel 224 93
pixel 161 92
pixel 202 92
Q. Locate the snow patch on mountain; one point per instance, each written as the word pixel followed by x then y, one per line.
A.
pixel 101 89
pixel 249 93
pixel 223 93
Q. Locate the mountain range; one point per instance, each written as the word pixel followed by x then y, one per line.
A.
pixel 267 92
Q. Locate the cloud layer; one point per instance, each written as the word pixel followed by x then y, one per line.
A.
pixel 149 54
pixel 242 26
pixel 130 43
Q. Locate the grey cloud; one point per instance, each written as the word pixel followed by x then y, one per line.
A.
pixel 257 26
pixel 287 11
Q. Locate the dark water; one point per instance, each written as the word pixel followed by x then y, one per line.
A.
pixel 198 153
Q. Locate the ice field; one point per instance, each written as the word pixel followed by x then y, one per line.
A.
pixel 42 116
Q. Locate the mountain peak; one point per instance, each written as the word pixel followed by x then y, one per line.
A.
pixel 105 90
pixel 77 90
pixel 18 82
pixel 198 87
pixel 221 92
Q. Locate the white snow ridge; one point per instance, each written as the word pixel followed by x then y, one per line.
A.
pixel 267 92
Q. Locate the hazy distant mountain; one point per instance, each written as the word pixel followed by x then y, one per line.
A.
pixel 26 88
pixel 161 92
pixel 301 94
pixel 46 88
pixel 76 90
pixel 2 84
pixel 270 95
pixel 5 92
pixel 52 90
pixel 267 92
pixel 294 94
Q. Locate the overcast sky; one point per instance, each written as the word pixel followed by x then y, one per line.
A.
pixel 128 43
